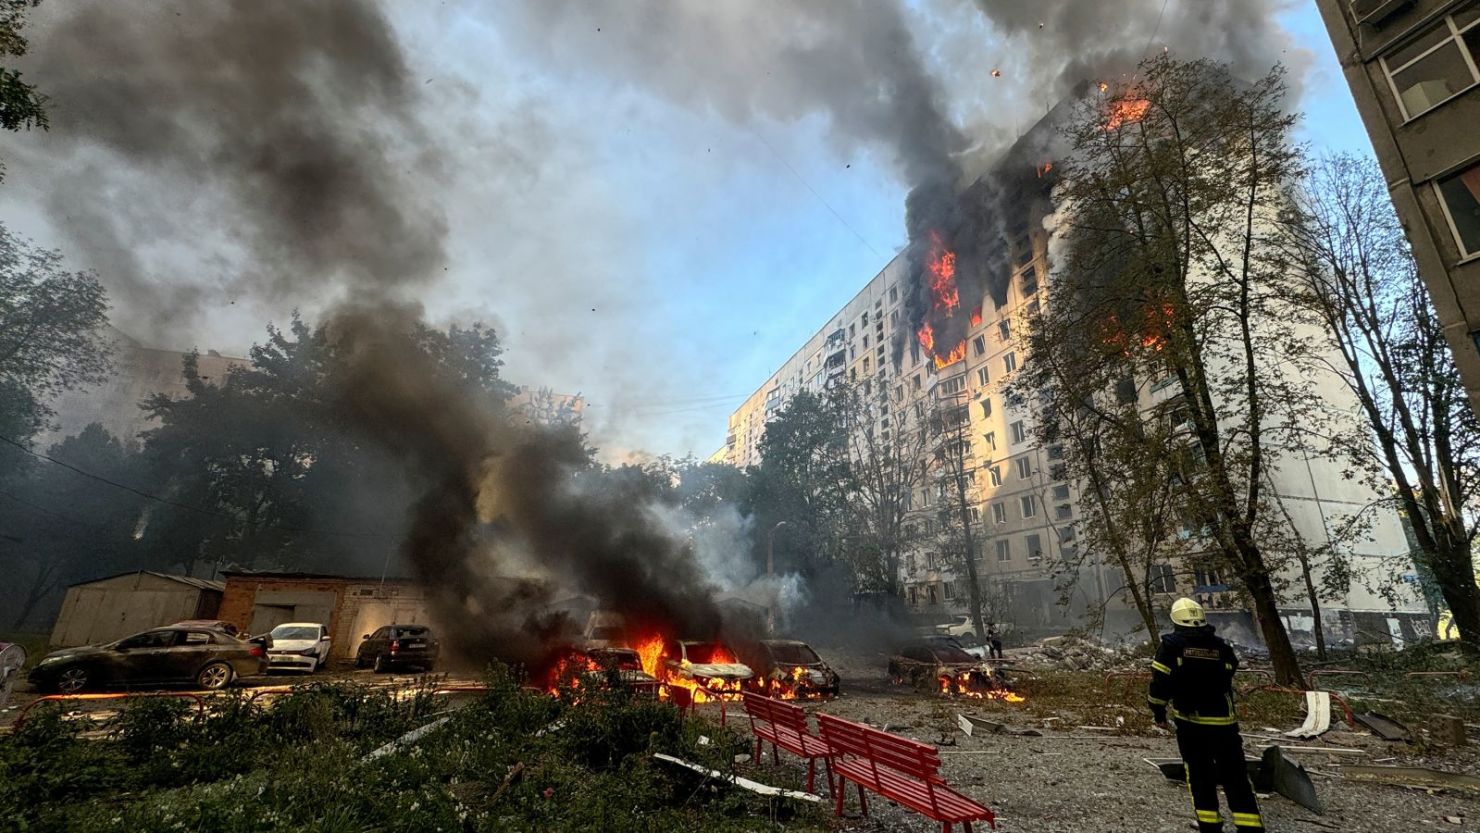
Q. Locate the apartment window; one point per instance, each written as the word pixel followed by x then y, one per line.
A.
pixel 995 474
pixel 1004 550
pixel 914 354
pixel 949 588
pixel 979 344
pixel 1029 283
pixel 1459 193
pixel 1025 467
pixel 1162 579
pixel 1004 329
pixel 1035 547
pixel 953 385
pixel 1437 65
pixel 898 393
pixel 1019 432
pixel 999 513
pixel 991 438
pixel 893 294
pixel 982 376
pixel 1009 362
pixel 915 382
pixel 914 599
pixel 894 318
pixel 1063 511
pixel 931 560
pixel 852 330
pixel 1061 492
pixel 909 564
pixel 986 407
pixel 865 340
pixel 974 513
pixel 1058 471
pixel 1055 452
pixel 1066 534
pixel 865 367
pixel 933 599
pixel 1029 506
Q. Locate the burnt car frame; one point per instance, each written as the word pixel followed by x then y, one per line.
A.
pixel 792 666
pixel 924 662
pixel 208 657
pixel 694 660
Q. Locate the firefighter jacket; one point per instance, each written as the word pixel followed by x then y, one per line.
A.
pixel 1192 678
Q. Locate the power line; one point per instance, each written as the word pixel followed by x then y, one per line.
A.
pixel 809 187
pixel 186 506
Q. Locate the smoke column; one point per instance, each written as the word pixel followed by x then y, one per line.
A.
pixel 300 127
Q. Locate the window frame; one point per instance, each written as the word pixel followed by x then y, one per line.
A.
pixel 1464 254
pixel 1028 505
pixel 999 512
pixel 1456 35
pixel 1004 550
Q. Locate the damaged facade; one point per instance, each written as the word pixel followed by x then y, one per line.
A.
pixel 1025 507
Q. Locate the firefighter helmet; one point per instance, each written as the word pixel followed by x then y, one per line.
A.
pixel 1187 613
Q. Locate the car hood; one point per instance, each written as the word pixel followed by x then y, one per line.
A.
pixel 719 670
pixel 70 653
pixel 293 644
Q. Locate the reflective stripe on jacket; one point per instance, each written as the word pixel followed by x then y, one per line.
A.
pixel 1192 678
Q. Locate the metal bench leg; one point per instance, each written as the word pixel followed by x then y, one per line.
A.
pixel 838 795
pixel 827 767
pixel 758 750
pixel 945 827
pixel 862 800
pixel 775 754
pixel 811 775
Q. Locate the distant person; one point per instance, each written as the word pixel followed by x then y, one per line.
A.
pixel 994 641
pixel 1192 680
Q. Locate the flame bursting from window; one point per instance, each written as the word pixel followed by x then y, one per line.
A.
pixel 1126 111
pixel 1152 335
pixel 945 299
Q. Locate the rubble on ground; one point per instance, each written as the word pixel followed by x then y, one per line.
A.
pixel 1076 653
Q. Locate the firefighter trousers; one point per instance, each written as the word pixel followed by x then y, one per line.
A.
pixel 1214 756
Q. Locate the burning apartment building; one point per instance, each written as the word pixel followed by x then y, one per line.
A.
pixel 931 339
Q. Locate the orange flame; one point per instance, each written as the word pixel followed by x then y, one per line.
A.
pixel 1126 111
pixel 978 686
pixel 976 317
pixel 1044 169
pixel 957 354
pixel 945 299
pixel 654 661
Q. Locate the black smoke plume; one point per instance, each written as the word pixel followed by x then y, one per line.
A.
pixel 301 125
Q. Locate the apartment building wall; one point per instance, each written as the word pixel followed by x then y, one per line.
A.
pixel 1025 508
pixel 1414 69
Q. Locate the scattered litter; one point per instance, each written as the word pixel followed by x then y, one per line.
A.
pixel 1325 750
pixel 410 737
pixel 704 740
pixel 1317 716
pixel 736 781
pixel 1383 726
pixel 1454 819
pixel 969 725
pixel 553 727
pixel 1412 776
pixel 1269 773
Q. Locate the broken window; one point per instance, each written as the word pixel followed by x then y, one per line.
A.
pixel 995 474
pixel 986 404
pixel 1035 546
pixel 979 344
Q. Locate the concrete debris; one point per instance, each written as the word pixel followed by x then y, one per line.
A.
pixel 1447 729
pixel 1412 776
pixel 1075 653
pixel 1272 772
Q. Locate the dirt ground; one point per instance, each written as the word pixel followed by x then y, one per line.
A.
pixel 1084 772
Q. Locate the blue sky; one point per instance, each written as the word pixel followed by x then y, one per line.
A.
pixel 655 253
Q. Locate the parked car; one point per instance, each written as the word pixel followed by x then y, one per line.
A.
pixel 398 646
pixel 209 657
pixel 710 664
pixel 298 646
pixel 960 628
pixel 923 661
pixel 790 668
pixel 626 664
pixel 214 624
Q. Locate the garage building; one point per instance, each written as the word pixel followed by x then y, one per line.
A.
pixel 256 602
pixel 110 608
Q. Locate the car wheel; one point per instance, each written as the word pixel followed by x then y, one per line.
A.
pixel 381 666
pixel 215 676
pixel 72 680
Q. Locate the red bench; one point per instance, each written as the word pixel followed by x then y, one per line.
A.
pixel 785 726
pixel 902 770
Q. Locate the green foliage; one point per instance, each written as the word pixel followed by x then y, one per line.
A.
pixel 514 759
pixel 22 107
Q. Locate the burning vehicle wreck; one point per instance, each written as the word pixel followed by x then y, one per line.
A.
pixel 709 669
pixel 789 669
pixel 600 668
pixel 936 663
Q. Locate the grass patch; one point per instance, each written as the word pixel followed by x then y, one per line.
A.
pixel 512 760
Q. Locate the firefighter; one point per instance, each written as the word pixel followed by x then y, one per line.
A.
pixel 1192 681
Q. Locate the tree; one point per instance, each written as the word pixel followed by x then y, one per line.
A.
pixel 803 480
pixel 260 471
pixel 21 106
pixel 885 465
pixel 1424 443
pixel 1169 196
pixel 62 526
pixel 954 476
pixel 52 333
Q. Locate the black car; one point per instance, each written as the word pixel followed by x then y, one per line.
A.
pixel 209 657
pixel 397 646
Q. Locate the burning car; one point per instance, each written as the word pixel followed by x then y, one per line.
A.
pixel 600 668
pixel 942 663
pixel 788 669
pixel 709 668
